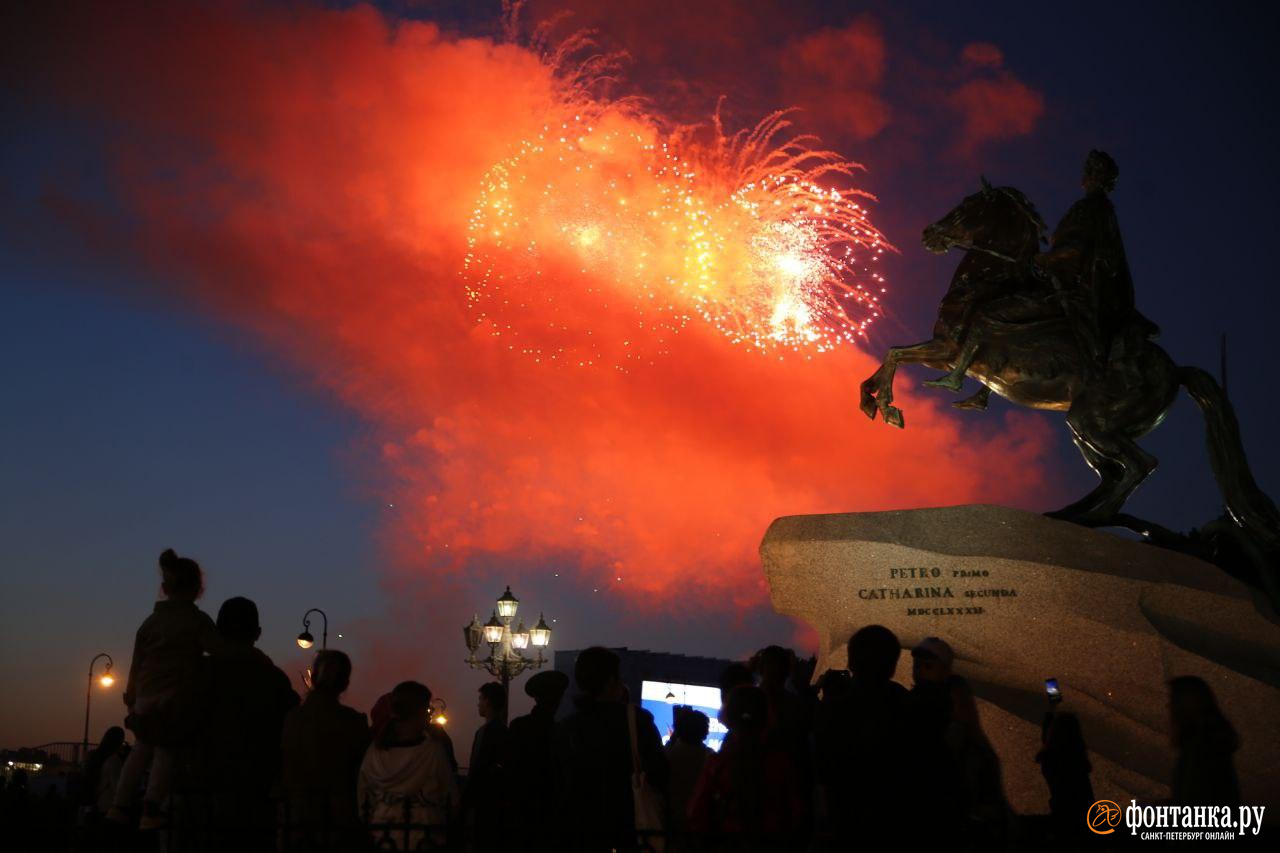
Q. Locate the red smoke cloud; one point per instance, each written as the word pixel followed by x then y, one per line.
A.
pixel 994 105
pixel 309 174
pixel 981 54
pixel 840 71
pixel 866 78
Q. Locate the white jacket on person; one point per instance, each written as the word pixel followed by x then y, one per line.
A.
pixel 418 774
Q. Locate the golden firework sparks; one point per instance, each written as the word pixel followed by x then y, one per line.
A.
pixel 603 214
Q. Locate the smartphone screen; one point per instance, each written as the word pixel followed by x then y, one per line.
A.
pixel 1052 690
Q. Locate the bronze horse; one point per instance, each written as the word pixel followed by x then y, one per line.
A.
pixel 1028 353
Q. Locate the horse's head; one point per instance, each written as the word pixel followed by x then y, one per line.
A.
pixel 997 220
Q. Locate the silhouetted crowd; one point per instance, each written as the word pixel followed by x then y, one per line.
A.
pixel 226 756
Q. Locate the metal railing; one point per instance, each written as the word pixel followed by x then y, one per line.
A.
pixel 200 823
pixel 56 752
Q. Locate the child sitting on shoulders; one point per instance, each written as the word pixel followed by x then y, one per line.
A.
pixel 166 655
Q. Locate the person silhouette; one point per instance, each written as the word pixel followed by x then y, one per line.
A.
pixel 1064 763
pixel 244 699
pixel 484 797
pixel 323 745
pixel 594 754
pixel 531 755
pixel 102 773
pixel 406 775
pixel 1206 743
pixel 983 816
pixel 749 795
pixel 687 755
pixel 930 710
pixel 734 675
pixel 161 688
pixel 859 738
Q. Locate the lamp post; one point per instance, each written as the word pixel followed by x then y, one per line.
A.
pixel 106 680
pixel 305 640
pixel 506 658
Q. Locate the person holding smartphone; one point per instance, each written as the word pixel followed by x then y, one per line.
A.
pixel 1064 762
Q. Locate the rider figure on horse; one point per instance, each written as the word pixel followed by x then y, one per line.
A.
pixel 1087 266
pixel 1058 331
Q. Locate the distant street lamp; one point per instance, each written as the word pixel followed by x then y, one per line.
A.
pixel 106 680
pixel 305 640
pixel 506 659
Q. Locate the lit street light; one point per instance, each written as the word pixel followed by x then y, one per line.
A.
pixel 305 640
pixel 106 680
pixel 506 659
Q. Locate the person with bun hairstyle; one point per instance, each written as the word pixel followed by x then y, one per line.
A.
pixel 166 656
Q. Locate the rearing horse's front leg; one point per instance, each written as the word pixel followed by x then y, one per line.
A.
pixel 871 388
pixel 877 390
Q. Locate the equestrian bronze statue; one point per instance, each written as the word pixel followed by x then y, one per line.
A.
pixel 1057 329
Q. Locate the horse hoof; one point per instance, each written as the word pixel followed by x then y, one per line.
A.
pixel 869 407
pixel 1084 518
pixel 893 416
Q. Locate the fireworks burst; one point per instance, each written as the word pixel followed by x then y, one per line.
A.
pixel 796 260
pixel 601 213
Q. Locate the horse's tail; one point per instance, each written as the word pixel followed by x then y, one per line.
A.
pixel 1247 504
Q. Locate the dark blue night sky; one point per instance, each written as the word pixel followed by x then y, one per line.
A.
pixel 132 420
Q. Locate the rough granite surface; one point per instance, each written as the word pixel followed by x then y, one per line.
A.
pixel 1112 619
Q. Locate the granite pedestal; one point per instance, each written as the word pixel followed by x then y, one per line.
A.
pixel 1020 598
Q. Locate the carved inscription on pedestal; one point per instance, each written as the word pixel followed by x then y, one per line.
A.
pixel 938 591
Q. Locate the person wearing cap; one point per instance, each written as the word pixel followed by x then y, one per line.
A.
pixel 531 757
pixel 931 661
pixel 929 702
pixel 930 719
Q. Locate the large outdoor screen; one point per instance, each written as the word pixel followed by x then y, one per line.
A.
pixel 660 697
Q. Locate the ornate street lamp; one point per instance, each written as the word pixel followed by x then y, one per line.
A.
pixel 493 630
pixel 472 634
pixel 506 658
pixel 106 680
pixel 520 638
pixel 507 605
pixel 305 640
pixel 540 636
